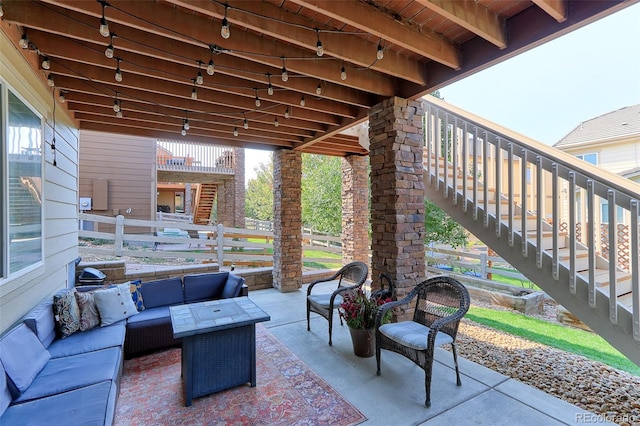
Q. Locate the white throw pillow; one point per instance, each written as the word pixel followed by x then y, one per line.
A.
pixel 115 304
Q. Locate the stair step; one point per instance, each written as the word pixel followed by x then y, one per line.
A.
pixel 623 280
pixel 547 239
pixel 626 300
pixel 582 258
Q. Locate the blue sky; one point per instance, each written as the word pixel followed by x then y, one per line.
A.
pixel 546 92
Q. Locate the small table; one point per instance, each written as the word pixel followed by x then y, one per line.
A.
pixel 218 344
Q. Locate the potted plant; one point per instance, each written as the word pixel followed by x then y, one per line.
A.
pixel 359 311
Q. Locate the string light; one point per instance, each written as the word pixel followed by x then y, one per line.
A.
pixel 194 92
pixel 24 41
pixel 109 50
pixel 275 122
pixel 302 101
pixel 225 32
pixel 118 72
pixel 199 78
pixel 270 87
pixel 50 81
pixel 61 97
pixel 104 26
pixel 245 124
pixel 319 48
pixel 235 131
pixel 183 132
pixel 1 11
pixel 116 104
pixel 380 52
pixel 46 63
pixel 210 67
pixel 285 75
pixel 286 113
pixel 343 73
pixel 119 114
pixel 319 90
pixel 257 99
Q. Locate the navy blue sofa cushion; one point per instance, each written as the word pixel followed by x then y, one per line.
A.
pixel 167 292
pixel 23 357
pixel 232 287
pixel 89 405
pixel 203 287
pixel 73 372
pixel 150 317
pixel 41 321
pixel 94 339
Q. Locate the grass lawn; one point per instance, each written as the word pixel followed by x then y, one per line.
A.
pixel 580 342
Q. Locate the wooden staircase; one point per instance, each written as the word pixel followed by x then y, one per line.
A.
pixel 203 203
pixel 515 202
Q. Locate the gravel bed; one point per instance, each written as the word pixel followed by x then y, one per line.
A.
pixel 612 394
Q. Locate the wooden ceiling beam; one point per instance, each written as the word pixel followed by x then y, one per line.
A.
pixel 188 28
pixel 557 9
pixel 371 20
pixel 471 15
pixel 272 20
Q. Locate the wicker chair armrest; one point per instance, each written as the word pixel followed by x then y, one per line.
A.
pixel 390 305
pixel 321 280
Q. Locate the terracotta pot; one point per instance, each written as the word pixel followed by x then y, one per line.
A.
pixel 364 341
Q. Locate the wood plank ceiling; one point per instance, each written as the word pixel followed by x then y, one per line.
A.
pixel 371 50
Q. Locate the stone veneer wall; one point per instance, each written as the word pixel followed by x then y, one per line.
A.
pixel 397 192
pixel 355 209
pixel 287 220
pixel 231 194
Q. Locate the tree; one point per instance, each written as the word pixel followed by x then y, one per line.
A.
pixel 322 193
pixel 259 193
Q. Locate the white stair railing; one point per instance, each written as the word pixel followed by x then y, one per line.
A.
pixel 573 227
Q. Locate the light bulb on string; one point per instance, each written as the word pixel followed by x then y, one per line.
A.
pixel 50 81
pixel 118 72
pixel 287 114
pixel 257 99
pixel 119 114
pixel 199 78
pixel 245 124
pixel 270 86
pixel 343 73
pixel 302 101
pixel 275 122
pixel 24 41
pixel 319 48
pixel 235 131
pixel 210 67
pixel 183 132
pixel 61 97
pixel 225 32
pixel 319 90
pixel 46 63
pixel 285 74
pixel 116 105
pixel 194 93
pixel 380 52
pixel 186 124
pixel 104 26
pixel 1 11
pixel 109 51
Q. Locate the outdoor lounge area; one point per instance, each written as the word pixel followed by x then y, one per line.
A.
pixel 341 388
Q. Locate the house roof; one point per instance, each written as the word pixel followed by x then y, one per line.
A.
pixel 373 50
pixel 615 124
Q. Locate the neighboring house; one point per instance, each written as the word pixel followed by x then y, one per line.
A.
pixel 137 177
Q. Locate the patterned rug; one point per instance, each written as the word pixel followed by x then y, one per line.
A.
pixel 287 393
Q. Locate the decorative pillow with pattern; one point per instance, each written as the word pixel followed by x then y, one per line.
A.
pixel 66 312
pixel 136 294
pixel 89 315
pixel 114 304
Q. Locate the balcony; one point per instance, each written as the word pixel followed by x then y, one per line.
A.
pixel 193 162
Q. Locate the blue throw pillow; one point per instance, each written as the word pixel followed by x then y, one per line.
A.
pixel 232 286
pixel 136 294
pixel 23 356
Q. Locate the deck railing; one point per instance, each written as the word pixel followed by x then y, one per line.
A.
pixel 194 157
pixel 541 204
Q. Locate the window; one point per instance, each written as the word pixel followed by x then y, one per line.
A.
pixel 604 213
pixel 589 158
pixel 21 167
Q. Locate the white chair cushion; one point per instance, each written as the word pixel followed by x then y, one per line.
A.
pixel 324 300
pixel 412 334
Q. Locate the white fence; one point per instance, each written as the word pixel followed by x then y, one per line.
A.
pixel 180 239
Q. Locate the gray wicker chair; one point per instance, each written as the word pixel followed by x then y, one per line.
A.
pixel 349 277
pixel 440 304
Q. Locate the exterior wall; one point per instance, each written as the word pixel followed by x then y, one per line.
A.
pixel 355 210
pixel 287 220
pixel 616 156
pixel 127 163
pixel 60 197
pixel 397 192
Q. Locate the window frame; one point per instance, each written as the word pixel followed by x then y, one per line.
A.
pixel 5 255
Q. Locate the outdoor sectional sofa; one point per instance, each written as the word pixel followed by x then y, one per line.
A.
pixel 46 379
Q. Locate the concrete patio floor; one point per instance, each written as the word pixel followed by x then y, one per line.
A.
pixel 396 397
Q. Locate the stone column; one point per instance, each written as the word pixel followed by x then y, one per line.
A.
pixel 355 209
pixel 231 194
pixel 397 192
pixel 287 220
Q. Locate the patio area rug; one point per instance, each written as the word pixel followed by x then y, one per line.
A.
pixel 287 393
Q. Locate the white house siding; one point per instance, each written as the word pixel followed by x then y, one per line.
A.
pixel 19 294
pixel 615 157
